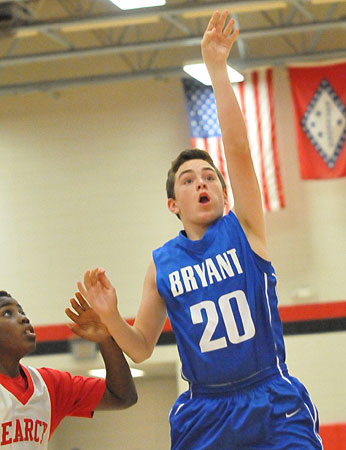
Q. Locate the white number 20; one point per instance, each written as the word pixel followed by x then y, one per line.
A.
pixel 207 344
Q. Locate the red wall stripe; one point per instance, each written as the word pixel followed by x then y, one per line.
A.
pixel 56 332
pixel 333 436
pixel 313 311
pixel 291 313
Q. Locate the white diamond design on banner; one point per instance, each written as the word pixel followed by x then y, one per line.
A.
pixel 324 123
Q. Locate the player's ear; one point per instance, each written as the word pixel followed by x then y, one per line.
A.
pixel 172 206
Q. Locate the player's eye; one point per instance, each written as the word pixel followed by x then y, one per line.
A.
pixel 7 313
pixel 188 181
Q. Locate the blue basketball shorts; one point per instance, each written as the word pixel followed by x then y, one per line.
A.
pixel 276 414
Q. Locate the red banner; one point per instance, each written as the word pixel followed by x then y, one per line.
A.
pixel 319 98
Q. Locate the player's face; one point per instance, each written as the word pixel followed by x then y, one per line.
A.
pixel 17 337
pixel 199 196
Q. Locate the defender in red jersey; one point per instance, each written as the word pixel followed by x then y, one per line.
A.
pixel 34 401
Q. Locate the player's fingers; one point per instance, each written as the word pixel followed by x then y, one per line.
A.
pixel 71 315
pixel 229 27
pixel 78 331
pixel 93 276
pixel 76 306
pixel 81 289
pixel 83 303
pixel 213 21
pixel 104 280
pixel 87 281
pixel 222 21
pixel 233 37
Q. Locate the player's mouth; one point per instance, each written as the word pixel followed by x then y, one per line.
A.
pixel 29 331
pixel 204 198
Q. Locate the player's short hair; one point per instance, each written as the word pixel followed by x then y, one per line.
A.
pixel 187 155
pixel 5 294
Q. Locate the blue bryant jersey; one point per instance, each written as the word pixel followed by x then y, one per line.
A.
pixel 222 304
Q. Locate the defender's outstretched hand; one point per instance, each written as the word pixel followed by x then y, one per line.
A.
pixel 218 39
pixel 100 293
pixel 88 323
pixel 120 390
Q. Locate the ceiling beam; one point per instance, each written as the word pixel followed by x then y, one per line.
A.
pixel 164 44
pixel 51 85
pixel 148 14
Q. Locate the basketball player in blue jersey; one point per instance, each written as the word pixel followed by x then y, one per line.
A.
pixel 218 286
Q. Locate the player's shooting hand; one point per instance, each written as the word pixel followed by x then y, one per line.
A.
pixel 100 293
pixel 88 323
pixel 218 39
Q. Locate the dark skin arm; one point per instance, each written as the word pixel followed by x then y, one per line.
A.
pixel 120 392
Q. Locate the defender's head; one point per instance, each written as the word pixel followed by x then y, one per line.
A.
pixel 17 337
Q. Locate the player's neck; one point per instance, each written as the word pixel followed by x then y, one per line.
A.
pixel 9 368
pixel 195 232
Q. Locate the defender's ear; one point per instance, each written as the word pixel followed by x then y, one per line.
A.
pixel 172 206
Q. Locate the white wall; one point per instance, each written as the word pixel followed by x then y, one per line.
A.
pixel 82 180
pixel 307 239
pixel 82 184
pixel 318 361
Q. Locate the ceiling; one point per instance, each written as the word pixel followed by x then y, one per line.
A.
pixel 48 45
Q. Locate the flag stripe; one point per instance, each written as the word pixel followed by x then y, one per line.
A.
pixel 250 112
pixel 221 158
pixel 266 130
pixel 265 124
pixel 269 80
pixel 223 169
pixel 254 77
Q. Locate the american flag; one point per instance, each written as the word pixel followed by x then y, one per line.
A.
pixel 255 97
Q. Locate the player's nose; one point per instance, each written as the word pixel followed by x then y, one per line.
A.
pixel 201 184
pixel 22 318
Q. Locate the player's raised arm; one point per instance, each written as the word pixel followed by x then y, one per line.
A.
pixel 136 341
pixel 120 389
pixel 217 43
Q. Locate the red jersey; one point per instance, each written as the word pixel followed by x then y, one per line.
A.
pixel 33 405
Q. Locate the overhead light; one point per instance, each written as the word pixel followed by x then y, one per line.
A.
pixel 133 4
pixel 200 73
pixel 136 373
pixel 22 33
pixel 101 373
